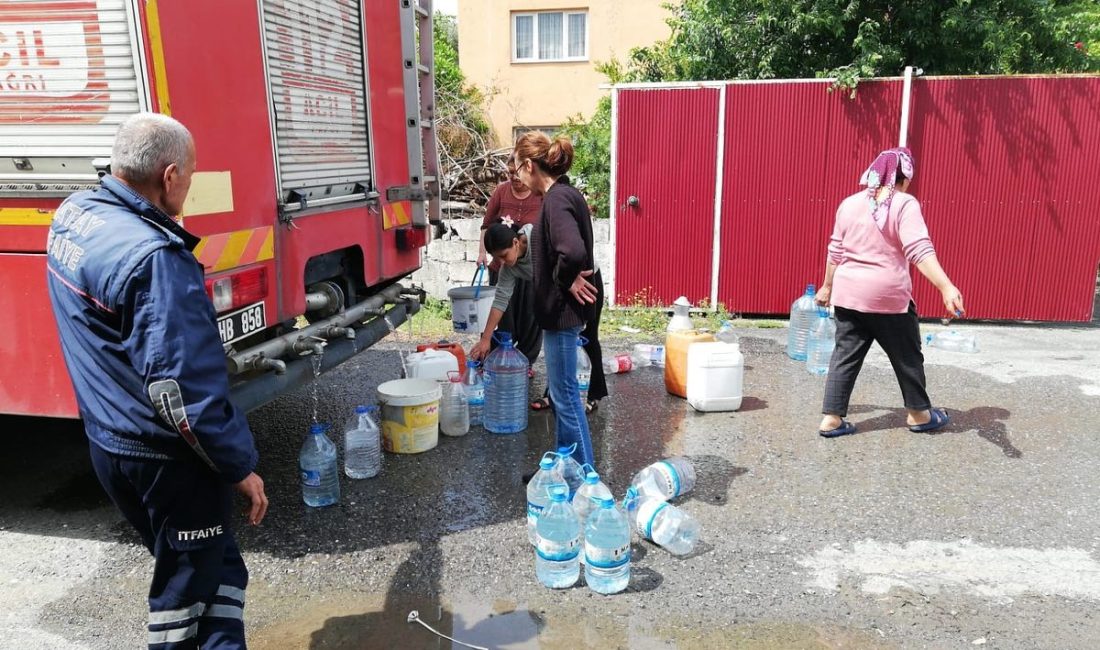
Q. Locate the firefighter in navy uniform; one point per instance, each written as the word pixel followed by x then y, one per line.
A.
pixel 142 348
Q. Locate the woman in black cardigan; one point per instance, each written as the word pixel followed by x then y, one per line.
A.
pixel 565 299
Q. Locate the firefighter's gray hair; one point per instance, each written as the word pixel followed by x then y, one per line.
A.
pixel 146 144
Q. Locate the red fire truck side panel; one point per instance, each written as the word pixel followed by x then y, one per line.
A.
pixel 388 116
pixel 35 381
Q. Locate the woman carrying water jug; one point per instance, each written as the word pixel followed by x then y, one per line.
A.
pixel 562 262
pixel 879 232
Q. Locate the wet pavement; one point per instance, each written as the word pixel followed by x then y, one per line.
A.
pixel 984 534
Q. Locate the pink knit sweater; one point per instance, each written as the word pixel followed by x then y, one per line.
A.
pixel 872 272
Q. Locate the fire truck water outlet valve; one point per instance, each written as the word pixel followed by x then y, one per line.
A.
pixel 312 339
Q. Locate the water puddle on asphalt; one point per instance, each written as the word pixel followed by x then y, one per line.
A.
pixel 357 623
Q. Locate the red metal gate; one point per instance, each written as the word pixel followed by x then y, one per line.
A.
pixel 668 153
pixel 1002 175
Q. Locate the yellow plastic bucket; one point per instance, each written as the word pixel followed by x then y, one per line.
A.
pixel 410 415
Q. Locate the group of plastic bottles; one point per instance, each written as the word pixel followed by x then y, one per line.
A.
pixel 573 521
pixel 491 395
pixel 811 337
pixel 319 465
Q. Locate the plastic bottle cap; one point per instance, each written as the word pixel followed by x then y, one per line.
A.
pixel 316 428
pixel 361 409
pixel 558 492
pixel 592 478
pixel 547 463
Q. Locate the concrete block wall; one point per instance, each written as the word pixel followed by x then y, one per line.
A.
pixel 451 261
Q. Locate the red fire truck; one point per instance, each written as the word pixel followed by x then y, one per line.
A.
pixel 315 181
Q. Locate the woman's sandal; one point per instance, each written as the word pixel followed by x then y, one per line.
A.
pixel 591 405
pixel 940 419
pixel 542 404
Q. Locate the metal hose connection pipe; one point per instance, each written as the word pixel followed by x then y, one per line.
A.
pixel 312 339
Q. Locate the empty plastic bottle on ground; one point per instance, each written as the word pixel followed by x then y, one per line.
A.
pixel 607 548
pixel 666 479
pixel 803 313
pixel 549 474
pixel 454 412
pixel 952 340
pixel 571 470
pixel 662 523
pixel 727 333
pixel 819 349
pixel 617 364
pixel 505 387
pixel 319 471
pixel 362 444
pixel 584 370
pixel 558 541
pixel 475 393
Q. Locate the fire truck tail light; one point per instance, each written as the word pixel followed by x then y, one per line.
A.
pixel 237 289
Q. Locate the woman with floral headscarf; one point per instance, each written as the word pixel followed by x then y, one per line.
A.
pixel 879 232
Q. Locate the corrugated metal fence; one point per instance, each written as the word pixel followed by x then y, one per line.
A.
pixel 1007 176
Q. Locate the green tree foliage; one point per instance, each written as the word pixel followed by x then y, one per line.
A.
pixel 592 148
pixel 461 125
pixel 856 39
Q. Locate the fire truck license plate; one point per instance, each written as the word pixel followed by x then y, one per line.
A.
pixel 241 323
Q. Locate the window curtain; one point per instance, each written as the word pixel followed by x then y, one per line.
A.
pixel 577 27
pixel 525 37
pixel 551 38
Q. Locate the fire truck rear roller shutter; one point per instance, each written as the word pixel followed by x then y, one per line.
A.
pixel 315 68
pixel 77 82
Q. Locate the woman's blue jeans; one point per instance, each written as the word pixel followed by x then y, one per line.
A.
pixel 560 349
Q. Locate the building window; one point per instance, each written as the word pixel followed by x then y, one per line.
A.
pixel 550 36
pixel 550 131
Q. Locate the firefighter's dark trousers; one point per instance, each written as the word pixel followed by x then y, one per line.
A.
pixel 182 509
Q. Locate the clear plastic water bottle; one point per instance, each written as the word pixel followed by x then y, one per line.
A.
pixel 475 392
pixel 319 471
pixel 505 387
pixel 607 548
pixel 558 541
pixel 571 471
pixel 803 313
pixel 537 499
pixel 617 364
pixel 953 341
pixel 362 444
pixel 454 412
pixel 642 355
pixel 819 348
pixel 588 495
pixel 727 333
pixel 584 370
pixel 662 523
pixel 666 479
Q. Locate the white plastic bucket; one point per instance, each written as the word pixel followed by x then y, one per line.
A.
pixel 715 376
pixel 470 307
pixel 410 415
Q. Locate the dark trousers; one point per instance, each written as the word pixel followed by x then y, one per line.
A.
pixel 519 319
pixel 899 336
pixel 181 510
